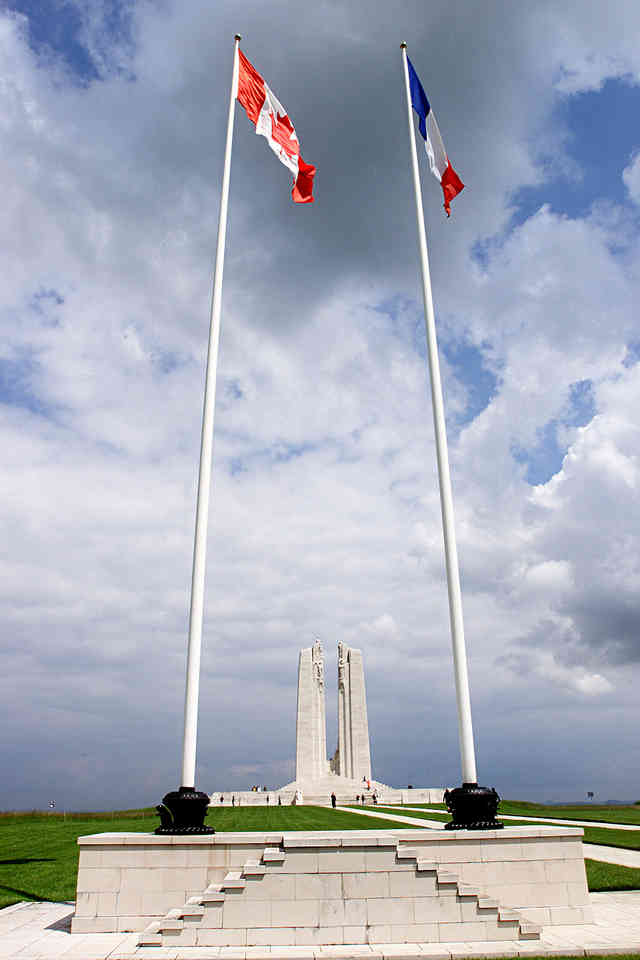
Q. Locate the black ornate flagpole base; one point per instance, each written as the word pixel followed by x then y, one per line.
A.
pixel 183 811
pixel 472 808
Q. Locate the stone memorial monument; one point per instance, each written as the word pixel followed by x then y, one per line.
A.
pixel 348 774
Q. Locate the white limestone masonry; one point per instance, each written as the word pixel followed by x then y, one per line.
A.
pixel 348 774
pixel 324 887
pixel 311 737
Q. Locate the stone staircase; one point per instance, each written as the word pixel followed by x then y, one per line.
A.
pixel 180 926
pixel 486 906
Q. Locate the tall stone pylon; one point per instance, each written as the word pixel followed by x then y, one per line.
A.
pixel 353 756
pixel 311 728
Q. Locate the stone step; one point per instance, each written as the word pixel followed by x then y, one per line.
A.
pixel 529 929
pixel 254 869
pixel 466 890
pixel 407 853
pixel 444 877
pixel 488 903
pixel 151 936
pixel 506 913
pixel 213 894
pixel 273 855
pixel 193 907
pixel 425 865
pixel 233 881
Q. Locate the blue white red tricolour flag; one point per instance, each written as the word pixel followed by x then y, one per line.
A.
pixel 271 120
pixel 438 159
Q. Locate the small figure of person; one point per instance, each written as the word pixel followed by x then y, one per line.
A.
pixel 333 800
pixel 362 798
pixel 267 799
pixel 233 801
pixel 375 799
pixel 368 784
pixel 221 799
pixel 279 800
pixel 357 798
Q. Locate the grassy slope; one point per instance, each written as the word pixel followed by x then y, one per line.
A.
pixel 39 854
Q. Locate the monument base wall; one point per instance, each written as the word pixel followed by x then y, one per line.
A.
pixel 326 887
pixel 318 793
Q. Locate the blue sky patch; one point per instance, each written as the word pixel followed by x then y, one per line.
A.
pixel 545 458
pixel 16 382
pixel 602 137
pixel 57 25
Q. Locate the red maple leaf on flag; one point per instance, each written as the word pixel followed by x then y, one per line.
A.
pixel 283 133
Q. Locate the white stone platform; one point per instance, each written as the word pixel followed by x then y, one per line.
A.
pixel 42 931
pixel 320 888
pixel 317 791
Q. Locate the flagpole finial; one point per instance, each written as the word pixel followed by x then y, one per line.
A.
pixel 237 37
pixel 403 45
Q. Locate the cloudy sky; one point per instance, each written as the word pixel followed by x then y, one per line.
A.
pixel 325 513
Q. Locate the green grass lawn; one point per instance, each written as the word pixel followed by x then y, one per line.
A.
pixel 627 839
pixel 610 876
pixel 39 854
pixel 519 808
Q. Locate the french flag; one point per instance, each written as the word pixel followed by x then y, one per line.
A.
pixel 271 121
pixel 438 159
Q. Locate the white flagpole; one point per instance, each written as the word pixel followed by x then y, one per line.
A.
pixel 465 728
pixel 204 477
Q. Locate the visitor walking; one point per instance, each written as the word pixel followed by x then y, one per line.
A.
pixel 333 800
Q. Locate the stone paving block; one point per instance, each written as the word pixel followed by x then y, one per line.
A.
pixel 355 933
pixel 412 884
pixel 212 917
pixel 278 937
pixel 355 912
pixel 240 913
pixel 107 904
pixel 154 858
pixel 463 931
pixel 309 936
pixel 86 904
pixel 347 951
pixel 197 855
pixel 385 859
pixel 396 910
pixel 322 886
pixel 462 851
pixel 297 861
pixel 380 933
pixel 220 938
pixel 157 903
pixel 332 913
pixel 276 886
pixel 295 913
pixel 414 932
pixel 133 924
pixel 98 880
pixel 93 925
pixel 434 951
pixel 401 951
pixel 358 886
pixel 129 902
pixel 341 861
pixel 143 880
pixel 296 953
pixel 578 894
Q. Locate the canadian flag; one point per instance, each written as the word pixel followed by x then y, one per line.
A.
pixel 271 121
